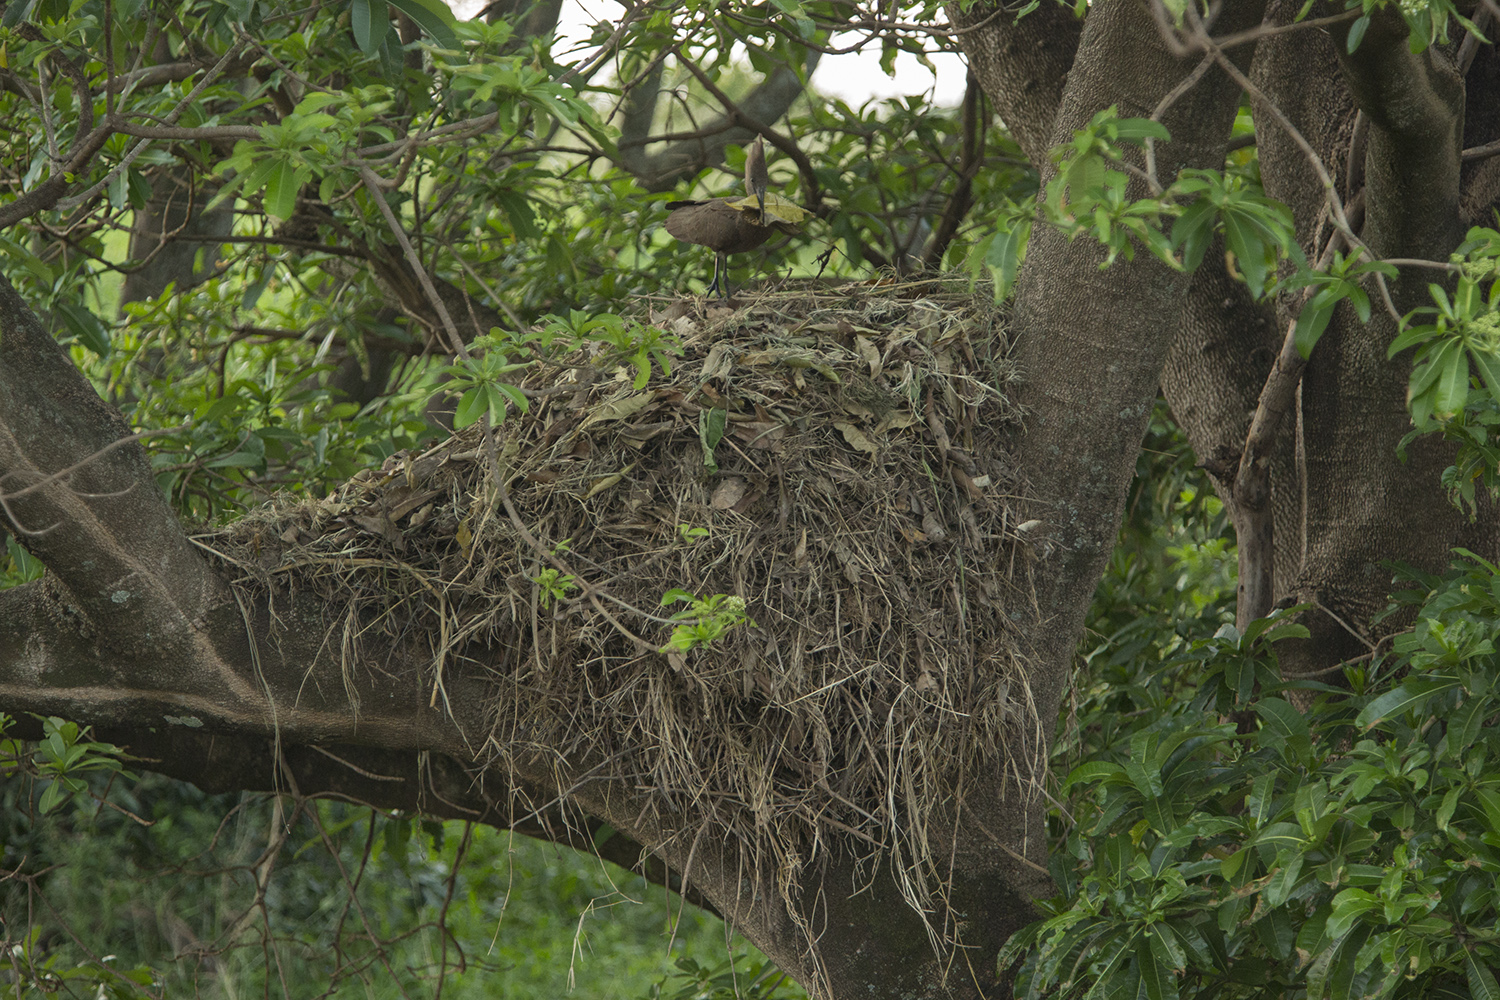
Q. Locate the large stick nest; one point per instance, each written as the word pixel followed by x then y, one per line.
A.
pixel 862 507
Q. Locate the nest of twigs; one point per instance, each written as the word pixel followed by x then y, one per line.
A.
pixel 858 500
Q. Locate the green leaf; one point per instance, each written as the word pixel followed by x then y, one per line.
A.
pixel 1423 377
pixel 1249 248
pixel 16 12
pixel 369 20
pixel 1004 257
pixel 494 402
pixel 1281 836
pixel 1453 384
pixel 1410 694
pixel 1489 371
pixel 1194 232
pixel 1136 129
pixel 238 460
pixel 281 190
pixel 518 210
pixel 84 326
pixel 471 406
pixel 1482 985
pixel 1312 321
pixel 711 424
pixel 1357 32
pixel 53 796
pixel 1411 337
pixel 1092 771
pixel 1489 801
pixel 516 396
pixel 433 17
pixel 38 268
pixel 1348 906
pixel 1279 889
pixel 28 566
pixel 1284 724
pixel 1159 982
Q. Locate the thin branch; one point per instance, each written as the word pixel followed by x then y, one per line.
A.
pixel 140 147
pixel 1484 152
pixel 804 166
pixel 1188 83
pixel 590 66
pixel 183 133
pixel 373 185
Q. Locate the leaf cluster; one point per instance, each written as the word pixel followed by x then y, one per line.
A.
pixel 1225 844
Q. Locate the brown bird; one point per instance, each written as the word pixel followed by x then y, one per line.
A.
pixel 724 228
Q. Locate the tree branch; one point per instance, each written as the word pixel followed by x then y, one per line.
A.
pixel 1414 102
pixel 103 529
pixel 1022 64
pixel 741 121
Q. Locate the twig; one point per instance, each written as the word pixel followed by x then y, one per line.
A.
pixel 372 184
pixel 1172 97
pixel 804 166
pixel 67 204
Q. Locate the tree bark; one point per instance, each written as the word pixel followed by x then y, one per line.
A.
pixel 1094 342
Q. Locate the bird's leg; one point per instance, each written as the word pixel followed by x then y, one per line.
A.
pixel 721 273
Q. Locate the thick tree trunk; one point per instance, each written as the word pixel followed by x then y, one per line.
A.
pixel 1093 342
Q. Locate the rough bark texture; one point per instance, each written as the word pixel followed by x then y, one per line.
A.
pixel 1094 342
pixel 1021 65
pixel 1364 506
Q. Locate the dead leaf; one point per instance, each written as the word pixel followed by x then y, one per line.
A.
pixel 856 438
pixel 913 535
pixel 728 493
pixel 761 434
pixel 617 409
pixel 749 500
pixel 799 554
pixel 852 568
pixel 962 478
pixel 378 525
pixel 638 434
pixel 869 352
pixel 855 408
pixel 779 208
pixel 720 359
pixel 401 502
pixel 898 420
pixel 613 479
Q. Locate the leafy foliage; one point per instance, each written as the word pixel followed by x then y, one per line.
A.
pixel 704 620
pixel 141 889
pixel 1229 846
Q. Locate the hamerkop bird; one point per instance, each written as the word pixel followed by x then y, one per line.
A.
pixel 729 225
